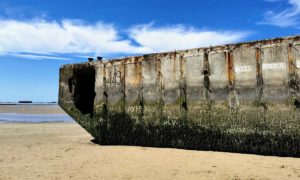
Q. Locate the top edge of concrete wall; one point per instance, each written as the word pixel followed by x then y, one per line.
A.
pixel 256 43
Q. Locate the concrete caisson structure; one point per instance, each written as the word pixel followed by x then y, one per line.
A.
pixel 234 82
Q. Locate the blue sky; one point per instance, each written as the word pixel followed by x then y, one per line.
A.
pixel 37 37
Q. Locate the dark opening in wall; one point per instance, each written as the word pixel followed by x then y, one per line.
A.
pixel 82 87
pixel 297 103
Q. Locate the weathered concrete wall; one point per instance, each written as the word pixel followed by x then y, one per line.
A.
pixel 252 75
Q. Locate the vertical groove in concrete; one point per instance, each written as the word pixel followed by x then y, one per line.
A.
pixel 206 74
pixel 293 76
pixel 123 86
pixel 139 73
pixel 259 77
pixel 182 88
pixel 105 89
pixel 160 88
pixel 232 94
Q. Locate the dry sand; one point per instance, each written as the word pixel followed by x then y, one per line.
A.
pixel 65 151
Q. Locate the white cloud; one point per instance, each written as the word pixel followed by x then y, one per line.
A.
pixel 40 36
pixel 289 17
pixel 37 56
pixel 41 39
pixel 181 37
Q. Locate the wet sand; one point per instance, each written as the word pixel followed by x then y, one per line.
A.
pixel 31 109
pixel 65 151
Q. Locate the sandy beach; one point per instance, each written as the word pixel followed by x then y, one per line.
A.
pixel 65 151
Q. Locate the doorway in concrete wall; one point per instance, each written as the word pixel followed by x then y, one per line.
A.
pixel 84 89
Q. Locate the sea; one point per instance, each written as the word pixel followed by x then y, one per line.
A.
pixel 34 118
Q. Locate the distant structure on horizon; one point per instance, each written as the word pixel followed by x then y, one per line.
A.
pixel 25 102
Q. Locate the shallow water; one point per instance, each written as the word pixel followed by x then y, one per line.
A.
pixel 34 118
